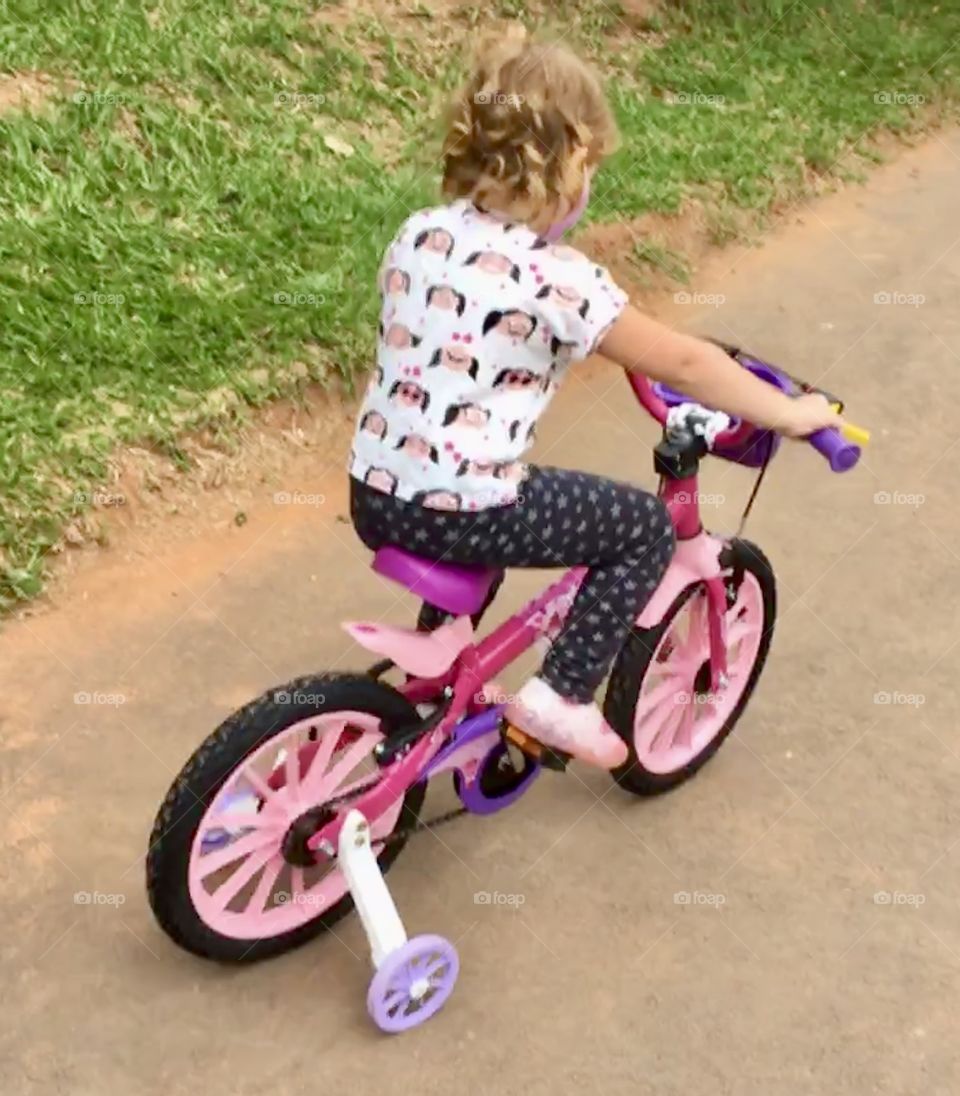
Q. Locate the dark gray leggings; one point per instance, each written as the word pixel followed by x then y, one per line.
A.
pixel 563 519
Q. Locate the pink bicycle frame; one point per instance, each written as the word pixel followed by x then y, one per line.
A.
pixel 695 562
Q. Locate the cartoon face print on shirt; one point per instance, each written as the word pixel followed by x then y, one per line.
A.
pixel 559 251
pixel 439 500
pixel 565 296
pixel 514 430
pixel 491 219
pixel 562 351
pixel 446 298
pixel 408 394
pixel 492 262
pixel 466 414
pixel 469 356
pixel 437 240
pixel 374 423
pixel 396 282
pixel 381 479
pixel 514 324
pixel 515 380
pixel 416 445
pixel 477 468
pixel 513 471
pixel 399 337
pixel 375 381
pixel 565 254
pixel 456 358
pixel 549 379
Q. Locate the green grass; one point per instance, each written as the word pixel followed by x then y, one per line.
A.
pixel 653 254
pixel 187 220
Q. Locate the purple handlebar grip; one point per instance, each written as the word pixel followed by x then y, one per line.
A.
pixel 841 454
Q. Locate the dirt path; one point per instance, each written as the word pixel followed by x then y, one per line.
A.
pixel 787 975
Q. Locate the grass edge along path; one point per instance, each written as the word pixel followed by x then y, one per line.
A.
pixel 194 199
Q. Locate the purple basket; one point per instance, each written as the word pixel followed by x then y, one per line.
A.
pixel 760 445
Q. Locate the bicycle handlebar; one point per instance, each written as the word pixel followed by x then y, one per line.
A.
pixel 657 408
pixel 841 454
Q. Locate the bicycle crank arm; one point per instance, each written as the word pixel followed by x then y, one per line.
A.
pixel 545 755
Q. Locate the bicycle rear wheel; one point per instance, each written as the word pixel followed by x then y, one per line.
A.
pixel 228 873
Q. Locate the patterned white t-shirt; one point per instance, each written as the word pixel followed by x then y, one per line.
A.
pixel 479 322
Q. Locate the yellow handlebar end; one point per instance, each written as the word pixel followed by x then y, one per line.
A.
pixel 856 434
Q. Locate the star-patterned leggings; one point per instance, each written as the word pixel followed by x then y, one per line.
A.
pixel 562 519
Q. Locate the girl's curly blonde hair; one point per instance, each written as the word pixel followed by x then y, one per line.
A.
pixel 524 127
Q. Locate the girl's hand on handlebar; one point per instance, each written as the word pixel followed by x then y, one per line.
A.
pixel 807 414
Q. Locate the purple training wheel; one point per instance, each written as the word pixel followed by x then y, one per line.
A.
pixel 412 983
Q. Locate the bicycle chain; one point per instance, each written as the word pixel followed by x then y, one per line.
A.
pixel 408 831
pixel 423 824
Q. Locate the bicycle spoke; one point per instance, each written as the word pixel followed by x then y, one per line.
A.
pixel 346 761
pixel 291 769
pixel 243 846
pixel 653 728
pixel 321 757
pixel 249 774
pixel 683 735
pixel 664 691
pixel 232 886
pixel 271 872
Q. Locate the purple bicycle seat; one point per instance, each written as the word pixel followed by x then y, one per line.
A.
pixel 459 590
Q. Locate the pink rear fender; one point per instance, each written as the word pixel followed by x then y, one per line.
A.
pixel 423 654
pixel 694 561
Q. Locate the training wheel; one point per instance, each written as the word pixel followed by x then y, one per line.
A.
pixel 412 983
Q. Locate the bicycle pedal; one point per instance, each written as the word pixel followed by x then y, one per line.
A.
pixel 544 755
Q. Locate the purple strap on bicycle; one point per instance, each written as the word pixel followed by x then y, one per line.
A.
pixel 458 590
pixel 759 446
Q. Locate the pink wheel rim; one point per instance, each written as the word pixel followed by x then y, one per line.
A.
pixel 240 884
pixel 675 720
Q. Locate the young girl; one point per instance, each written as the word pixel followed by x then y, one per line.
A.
pixel 482 315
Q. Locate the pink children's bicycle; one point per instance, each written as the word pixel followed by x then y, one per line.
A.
pixel 288 815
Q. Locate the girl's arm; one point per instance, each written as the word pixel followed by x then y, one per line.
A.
pixel 710 376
